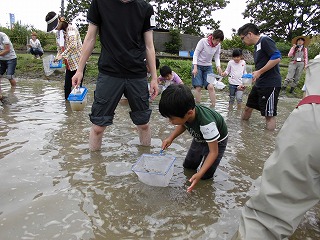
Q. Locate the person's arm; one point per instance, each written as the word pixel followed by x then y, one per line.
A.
pixel 275 59
pixel 87 48
pixel 60 42
pixel 291 52
pixel 196 54
pixel 176 132
pixel 217 59
pixel 227 71
pixel 305 51
pixel 210 159
pixel 176 78
pixel 270 64
pixel 151 60
pixel 5 50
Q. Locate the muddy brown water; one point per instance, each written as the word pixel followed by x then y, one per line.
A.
pixel 53 187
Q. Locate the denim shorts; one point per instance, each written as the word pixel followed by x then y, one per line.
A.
pixel 8 66
pixel 201 78
pixel 108 93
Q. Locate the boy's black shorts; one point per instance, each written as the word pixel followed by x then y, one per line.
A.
pixel 264 100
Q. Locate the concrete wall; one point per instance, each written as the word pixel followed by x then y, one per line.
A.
pixel 189 42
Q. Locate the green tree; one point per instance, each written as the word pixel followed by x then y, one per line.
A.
pixel 187 15
pixel 285 19
pixel 78 9
pixel 175 43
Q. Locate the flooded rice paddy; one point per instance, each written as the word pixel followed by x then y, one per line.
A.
pixel 53 187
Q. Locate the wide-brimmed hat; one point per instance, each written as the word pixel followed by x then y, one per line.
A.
pixel 306 40
pixel 52 20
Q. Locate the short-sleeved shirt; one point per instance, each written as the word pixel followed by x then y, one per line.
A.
pixel 5 40
pixel 208 125
pixel 263 50
pixel 121 31
pixel 36 44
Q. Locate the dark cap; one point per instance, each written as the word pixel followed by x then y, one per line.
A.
pixel 52 20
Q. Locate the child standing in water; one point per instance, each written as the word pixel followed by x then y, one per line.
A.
pixel 235 69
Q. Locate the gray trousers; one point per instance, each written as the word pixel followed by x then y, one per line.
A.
pixel 294 73
pixel 290 183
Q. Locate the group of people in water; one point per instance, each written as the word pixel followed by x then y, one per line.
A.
pixel 127 45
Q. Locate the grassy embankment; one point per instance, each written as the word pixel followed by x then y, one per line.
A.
pixel 28 67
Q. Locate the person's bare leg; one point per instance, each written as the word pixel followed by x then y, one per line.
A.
pixel 212 94
pixel 13 82
pixel 271 123
pixel 0 87
pixel 197 94
pixel 95 137
pixel 246 114
pixel 144 134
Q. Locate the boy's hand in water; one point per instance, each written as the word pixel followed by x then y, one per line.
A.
pixel 166 143
pixel 194 180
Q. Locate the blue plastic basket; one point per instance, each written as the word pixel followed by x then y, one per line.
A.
pixel 78 98
pixel 78 94
pixel 57 64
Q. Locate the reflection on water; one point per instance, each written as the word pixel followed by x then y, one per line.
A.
pixel 53 187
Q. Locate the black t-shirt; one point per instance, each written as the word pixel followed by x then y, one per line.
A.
pixel 263 50
pixel 121 28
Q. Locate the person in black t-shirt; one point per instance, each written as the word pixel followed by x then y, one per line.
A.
pixel 125 31
pixel 265 92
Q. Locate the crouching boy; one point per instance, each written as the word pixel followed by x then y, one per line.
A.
pixel 208 128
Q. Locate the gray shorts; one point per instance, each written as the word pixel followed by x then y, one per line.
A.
pixel 108 93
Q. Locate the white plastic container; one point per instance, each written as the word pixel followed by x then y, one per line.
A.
pixel 154 169
pixel 78 98
pixel 247 79
pixel 46 65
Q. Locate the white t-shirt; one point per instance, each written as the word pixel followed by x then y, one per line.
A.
pixel 235 71
pixel 36 44
pixel 4 40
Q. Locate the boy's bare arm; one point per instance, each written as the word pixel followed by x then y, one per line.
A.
pixel 176 132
